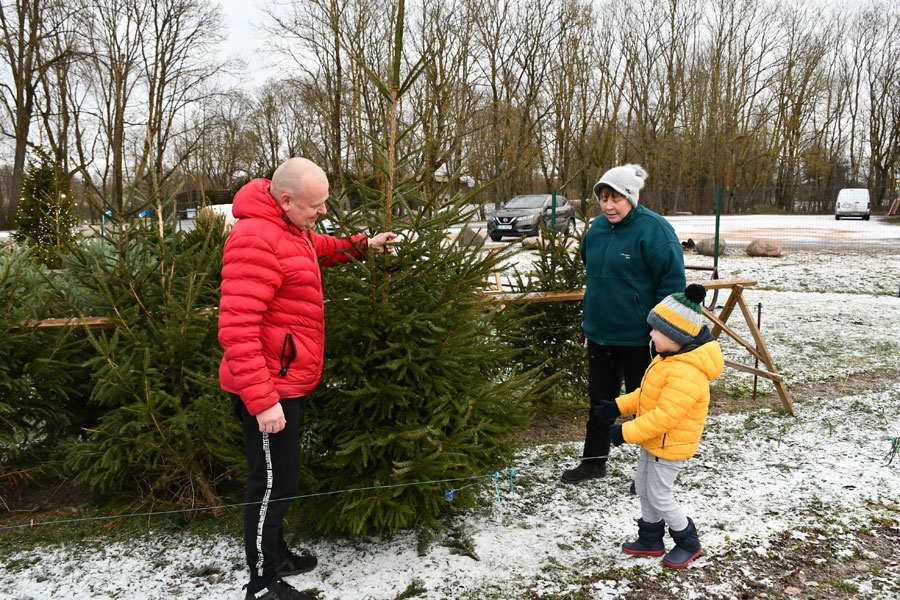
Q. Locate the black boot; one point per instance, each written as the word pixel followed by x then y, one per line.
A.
pixel 687 547
pixel 650 539
pixel 584 471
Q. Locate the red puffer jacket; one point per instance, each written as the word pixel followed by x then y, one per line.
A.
pixel 271 315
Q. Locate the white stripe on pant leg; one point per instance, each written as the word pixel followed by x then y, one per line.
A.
pixel 264 505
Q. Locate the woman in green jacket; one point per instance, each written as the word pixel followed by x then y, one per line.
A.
pixel 633 260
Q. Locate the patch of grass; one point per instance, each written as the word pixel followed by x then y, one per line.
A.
pixel 846 586
pixel 415 588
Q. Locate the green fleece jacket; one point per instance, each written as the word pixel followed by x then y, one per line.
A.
pixel 631 266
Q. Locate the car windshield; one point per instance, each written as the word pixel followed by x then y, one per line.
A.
pixel 526 202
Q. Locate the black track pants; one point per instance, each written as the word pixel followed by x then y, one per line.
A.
pixel 273 463
pixel 608 367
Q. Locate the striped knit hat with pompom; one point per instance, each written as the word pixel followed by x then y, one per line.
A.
pixel 679 316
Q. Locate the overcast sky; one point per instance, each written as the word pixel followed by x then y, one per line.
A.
pixel 242 19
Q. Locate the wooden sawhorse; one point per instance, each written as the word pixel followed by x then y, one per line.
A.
pixel 736 298
pixel 759 351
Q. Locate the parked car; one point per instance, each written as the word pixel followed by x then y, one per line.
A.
pixel 522 216
pixel 853 202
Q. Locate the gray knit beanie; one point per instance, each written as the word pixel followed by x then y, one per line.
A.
pixel 626 180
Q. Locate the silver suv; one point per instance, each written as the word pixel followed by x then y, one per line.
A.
pixel 522 215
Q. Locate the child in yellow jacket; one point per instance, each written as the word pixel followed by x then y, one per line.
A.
pixel 670 411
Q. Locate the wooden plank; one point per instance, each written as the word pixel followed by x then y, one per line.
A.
pixel 719 284
pixel 722 326
pixel 509 297
pixel 753 371
pixel 895 208
pixel 60 323
pixel 766 356
pixel 719 324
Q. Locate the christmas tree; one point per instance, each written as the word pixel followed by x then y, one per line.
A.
pixel 46 214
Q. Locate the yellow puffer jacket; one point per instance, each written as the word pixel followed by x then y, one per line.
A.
pixel 671 405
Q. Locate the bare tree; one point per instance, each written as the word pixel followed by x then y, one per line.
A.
pixel 878 28
pixel 442 101
pixel 113 48
pixel 309 35
pixel 657 40
pixel 223 155
pixel 176 41
pixel 581 92
pixel 797 87
pixel 28 49
pixel 149 65
pixel 512 48
pixel 725 142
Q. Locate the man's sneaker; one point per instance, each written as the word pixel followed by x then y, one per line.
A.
pixel 295 564
pixel 277 590
pixel 584 471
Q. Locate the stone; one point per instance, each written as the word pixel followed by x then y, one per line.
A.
pixel 707 247
pixel 468 237
pixel 764 247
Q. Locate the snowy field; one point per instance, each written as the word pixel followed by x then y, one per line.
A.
pixel 758 476
pixel 795 231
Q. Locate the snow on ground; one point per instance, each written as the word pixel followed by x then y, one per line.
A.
pixel 758 474
pixel 796 231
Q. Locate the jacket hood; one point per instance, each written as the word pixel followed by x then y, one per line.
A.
pixel 705 354
pixel 255 200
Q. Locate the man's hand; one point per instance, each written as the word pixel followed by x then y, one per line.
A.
pixel 271 420
pixel 382 242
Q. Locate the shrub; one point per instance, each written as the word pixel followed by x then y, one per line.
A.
pixel 166 433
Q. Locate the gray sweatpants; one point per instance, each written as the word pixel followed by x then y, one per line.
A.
pixel 653 482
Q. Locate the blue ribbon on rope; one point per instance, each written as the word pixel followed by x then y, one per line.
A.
pixel 894 451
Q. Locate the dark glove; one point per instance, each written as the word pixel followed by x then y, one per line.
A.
pixel 606 411
pixel 615 435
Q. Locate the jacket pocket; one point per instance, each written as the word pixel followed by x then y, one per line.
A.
pixel 288 354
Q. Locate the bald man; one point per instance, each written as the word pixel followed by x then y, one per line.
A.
pixel 272 329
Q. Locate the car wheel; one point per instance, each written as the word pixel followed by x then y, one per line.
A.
pixel 837 217
pixel 866 218
pixel 496 237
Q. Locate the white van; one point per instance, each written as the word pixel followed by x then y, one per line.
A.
pixel 852 202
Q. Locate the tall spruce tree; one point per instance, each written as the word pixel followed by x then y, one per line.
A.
pixel 420 388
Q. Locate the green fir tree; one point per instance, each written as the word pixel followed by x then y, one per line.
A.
pixel 167 434
pixel 551 337
pixel 42 382
pixel 420 390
